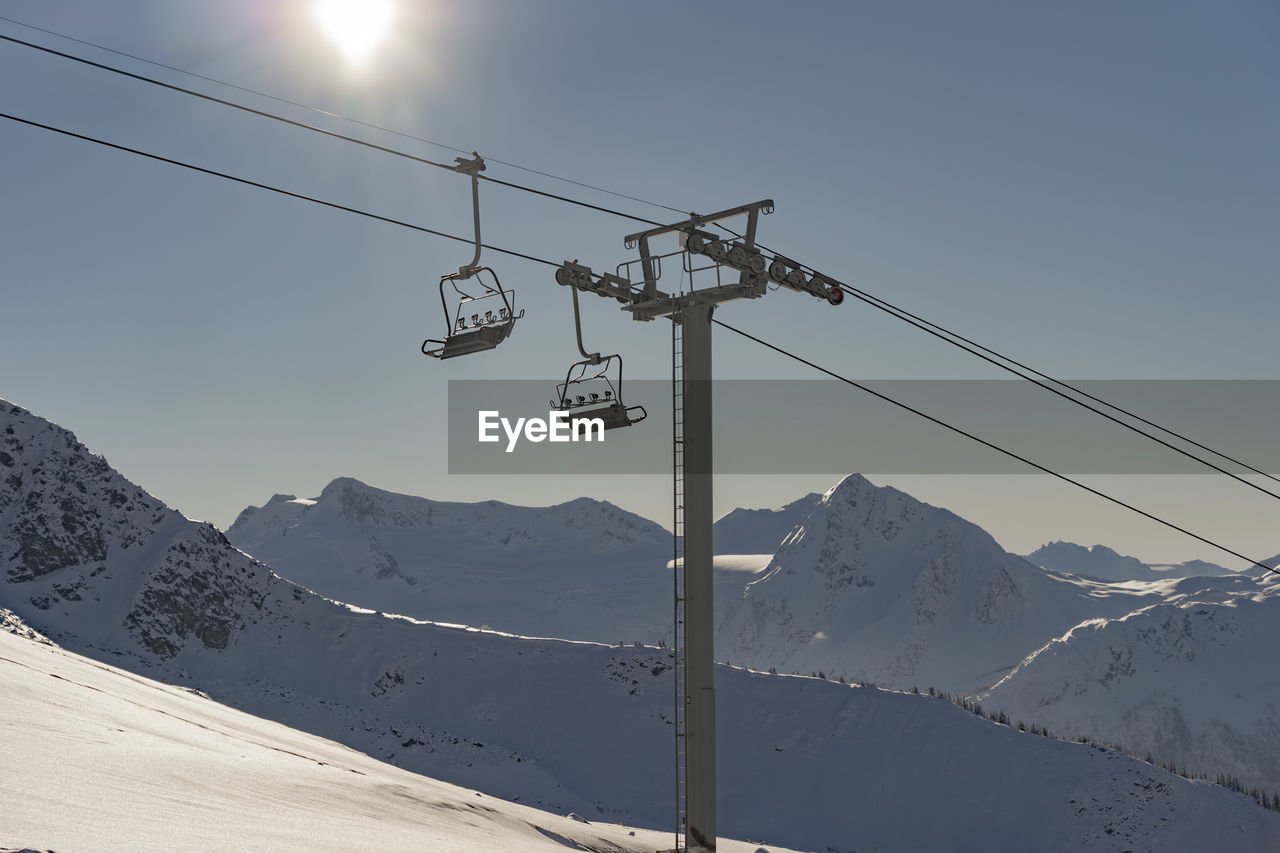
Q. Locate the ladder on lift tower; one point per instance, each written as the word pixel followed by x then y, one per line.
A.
pixel 678 626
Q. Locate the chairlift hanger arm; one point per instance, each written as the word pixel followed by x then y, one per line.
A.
pixel 593 357
pixel 473 168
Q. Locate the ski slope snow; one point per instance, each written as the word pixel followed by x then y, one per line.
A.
pixel 96 758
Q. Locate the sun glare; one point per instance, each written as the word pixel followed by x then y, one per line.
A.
pixel 356 26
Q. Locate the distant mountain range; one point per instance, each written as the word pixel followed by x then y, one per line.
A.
pixel 926 598
pixel 1101 562
pixel 582 570
pixel 868 584
pixel 104 569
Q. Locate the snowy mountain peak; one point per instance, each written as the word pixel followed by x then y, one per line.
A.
pixel 899 592
pixel 856 522
pixel 60 504
pixel 81 541
pixel 854 481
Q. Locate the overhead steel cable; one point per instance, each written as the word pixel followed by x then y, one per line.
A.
pixel 263 113
pixel 921 323
pixel 977 350
pixel 270 188
pixel 995 447
pixel 578 202
pixel 545 262
pixel 939 331
pixel 990 356
pixel 332 114
pixel 1075 389
pixel 311 127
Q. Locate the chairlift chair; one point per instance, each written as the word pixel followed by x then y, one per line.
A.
pixel 482 319
pixel 491 322
pixel 599 379
pixel 592 388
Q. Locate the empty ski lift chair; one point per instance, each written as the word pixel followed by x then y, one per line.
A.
pixel 602 373
pixel 492 321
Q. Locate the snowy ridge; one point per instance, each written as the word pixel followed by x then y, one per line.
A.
pixel 576 726
pixel 1099 561
pixel 583 524
pixel 582 570
pixel 760 531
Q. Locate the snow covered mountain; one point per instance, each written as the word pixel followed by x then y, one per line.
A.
pixel 1189 679
pixel 105 570
pixel 1103 563
pixel 582 570
pixel 546 572
pixel 880 587
pixel 760 531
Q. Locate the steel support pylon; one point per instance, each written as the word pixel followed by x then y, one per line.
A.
pixel 699 610
pixel 694 624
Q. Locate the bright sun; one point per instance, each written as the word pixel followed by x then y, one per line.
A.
pixel 356 26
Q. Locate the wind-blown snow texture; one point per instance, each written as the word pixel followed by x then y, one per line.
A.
pixel 104 569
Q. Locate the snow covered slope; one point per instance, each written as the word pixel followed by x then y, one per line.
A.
pixel 880 587
pixel 96 758
pixel 107 571
pixel 1103 563
pixel 1190 680
pixel 1257 572
pixel 580 570
pixel 760 531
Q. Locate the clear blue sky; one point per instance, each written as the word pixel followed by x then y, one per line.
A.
pixel 1091 187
